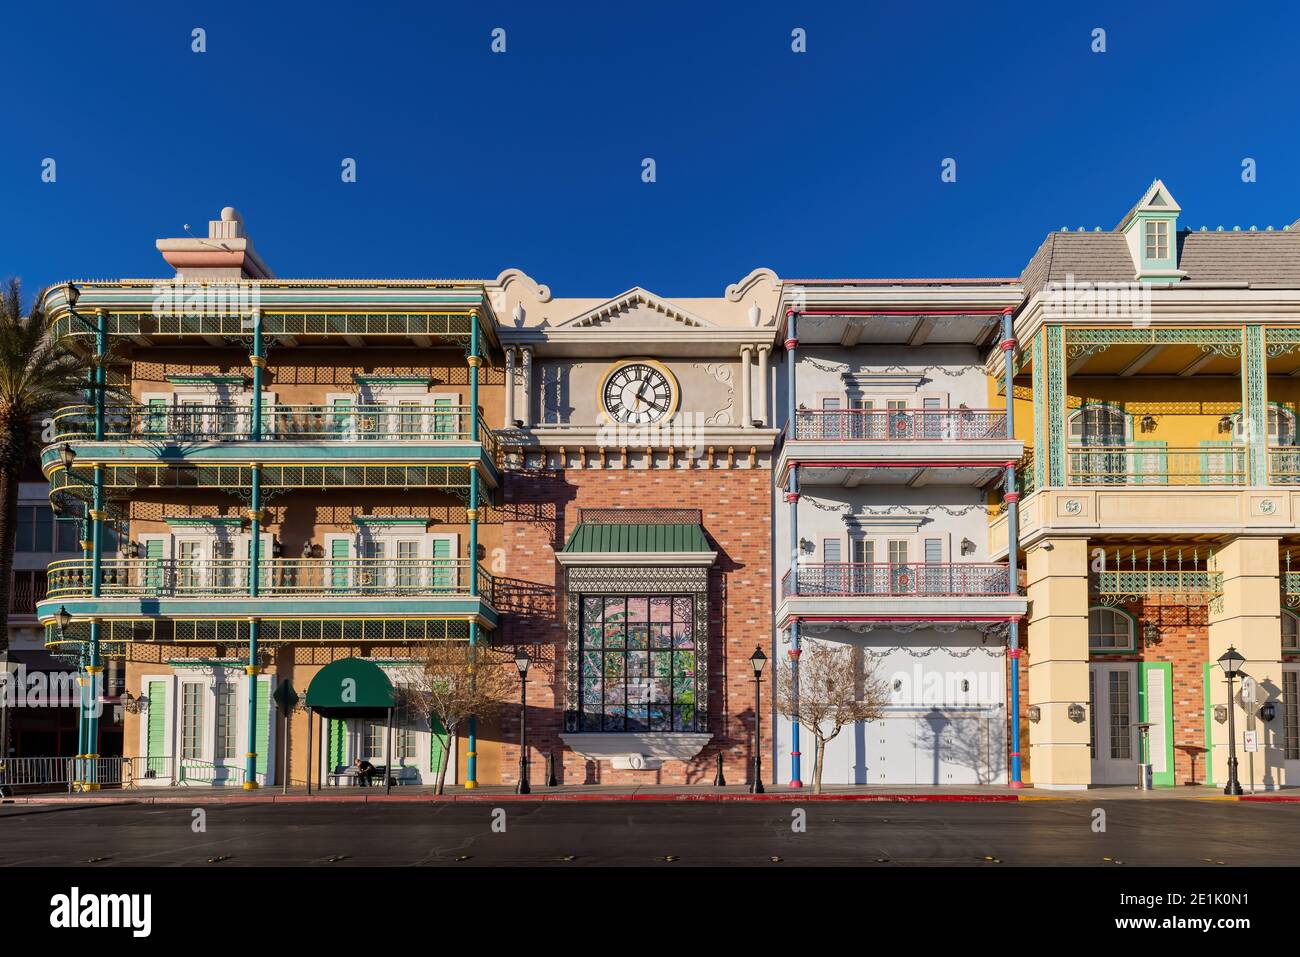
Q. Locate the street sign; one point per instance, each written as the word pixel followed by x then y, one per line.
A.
pixel 1250 741
pixel 285 697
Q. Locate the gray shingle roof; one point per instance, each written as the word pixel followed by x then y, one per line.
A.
pixel 1225 257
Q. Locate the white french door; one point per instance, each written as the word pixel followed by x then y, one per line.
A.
pixel 1112 717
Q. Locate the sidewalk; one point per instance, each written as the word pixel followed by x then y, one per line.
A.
pixel 576 793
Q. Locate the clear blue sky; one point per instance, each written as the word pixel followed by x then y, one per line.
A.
pixel 818 164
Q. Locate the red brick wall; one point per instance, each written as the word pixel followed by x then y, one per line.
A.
pixel 539 509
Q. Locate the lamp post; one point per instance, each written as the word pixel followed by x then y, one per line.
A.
pixel 756 661
pixel 522 661
pixel 1231 663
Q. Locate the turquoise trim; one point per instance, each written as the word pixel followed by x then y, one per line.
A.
pixel 367 520
pixel 179 521
pixel 392 380
pixel 206 379
pixel 1132 630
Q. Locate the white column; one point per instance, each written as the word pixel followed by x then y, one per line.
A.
pixel 762 386
pixel 510 387
pixel 746 415
pixel 527 358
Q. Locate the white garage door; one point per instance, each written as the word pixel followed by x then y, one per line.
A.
pixel 934 747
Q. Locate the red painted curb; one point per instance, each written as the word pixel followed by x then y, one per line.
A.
pixel 1270 798
pixel 480 798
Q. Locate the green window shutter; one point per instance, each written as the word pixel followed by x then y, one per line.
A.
pixel 1151 468
pixel 339 556
pixel 1208 762
pixel 1217 466
pixel 437 753
pixel 263 725
pixel 153 553
pixel 156 740
pixel 444 425
pixel 1156 705
pixel 334 743
pixel 444 571
pixel 157 418
pixel 263 572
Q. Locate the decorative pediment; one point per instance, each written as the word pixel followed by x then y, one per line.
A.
pixel 638 309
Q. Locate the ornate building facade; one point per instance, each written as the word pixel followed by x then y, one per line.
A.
pixel 1039 509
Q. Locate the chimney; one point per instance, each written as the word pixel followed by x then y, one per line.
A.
pixel 226 254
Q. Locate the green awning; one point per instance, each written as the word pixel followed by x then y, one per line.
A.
pixel 591 537
pixel 351 688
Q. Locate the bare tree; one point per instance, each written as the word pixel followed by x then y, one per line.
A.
pixel 451 682
pixel 831 694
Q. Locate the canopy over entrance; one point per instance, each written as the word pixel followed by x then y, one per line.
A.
pixel 351 688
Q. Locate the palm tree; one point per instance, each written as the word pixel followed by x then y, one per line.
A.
pixel 36 378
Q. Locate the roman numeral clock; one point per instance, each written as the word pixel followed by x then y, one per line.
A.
pixel 638 392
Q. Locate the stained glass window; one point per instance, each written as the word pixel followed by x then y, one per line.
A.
pixel 638 663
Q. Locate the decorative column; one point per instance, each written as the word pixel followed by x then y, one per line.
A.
pixel 101 370
pixel 746 387
pixel 791 356
pixel 526 359
pixel 471 514
pixel 1012 497
pixel 1058 669
pixel 1054 348
pixel 94 666
pixel 252 669
pixel 510 387
pixel 763 415
pixel 1254 404
pixel 1248 617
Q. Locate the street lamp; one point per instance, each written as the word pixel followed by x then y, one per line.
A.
pixel 522 661
pixel 67 455
pixel 72 293
pixel 63 618
pixel 756 661
pixel 1231 663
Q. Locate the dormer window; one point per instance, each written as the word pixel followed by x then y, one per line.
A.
pixel 1157 239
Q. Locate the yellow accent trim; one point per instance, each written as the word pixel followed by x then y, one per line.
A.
pixel 257 361
pixel 251 785
pixel 673 386
pixel 94 669
pixel 252 670
pixel 474 361
pixel 97 515
pixel 471 514
pixel 90 786
pixel 470 784
pixel 251 754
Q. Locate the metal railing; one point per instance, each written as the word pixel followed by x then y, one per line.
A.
pixel 34 772
pixel 910 579
pixel 232 422
pixel 1156 465
pixel 1284 465
pixel 900 425
pixel 27 589
pixel 278 577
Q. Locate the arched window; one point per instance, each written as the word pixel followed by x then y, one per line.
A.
pixel 1110 629
pixel 1097 423
pixel 1281 426
pixel 1290 631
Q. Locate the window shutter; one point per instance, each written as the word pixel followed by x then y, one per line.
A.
pixel 156 740
pixel 437 753
pixel 339 555
pixel 263 727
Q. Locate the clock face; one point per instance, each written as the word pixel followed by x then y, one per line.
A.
pixel 638 392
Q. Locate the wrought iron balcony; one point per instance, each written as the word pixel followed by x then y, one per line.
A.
pixel 231 422
pixel 903 580
pixel 1157 465
pixel 900 425
pixel 278 578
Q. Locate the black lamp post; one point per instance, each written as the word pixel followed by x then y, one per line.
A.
pixel 1231 663
pixel 756 661
pixel 522 661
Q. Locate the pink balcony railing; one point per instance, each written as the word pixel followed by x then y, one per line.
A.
pixel 910 579
pixel 899 425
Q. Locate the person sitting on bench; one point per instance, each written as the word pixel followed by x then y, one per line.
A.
pixel 365 771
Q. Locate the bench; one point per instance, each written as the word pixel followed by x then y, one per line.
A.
pixel 347 776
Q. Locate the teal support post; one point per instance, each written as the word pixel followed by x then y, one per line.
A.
pixel 1254 403
pixel 258 361
pixel 254 584
pixel 471 752
pixel 475 360
pixel 101 371
pixel 78 765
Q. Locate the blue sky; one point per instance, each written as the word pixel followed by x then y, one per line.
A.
pixel 825 163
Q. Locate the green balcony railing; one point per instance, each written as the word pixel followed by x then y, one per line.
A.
pixel 232 422
pixel 278 578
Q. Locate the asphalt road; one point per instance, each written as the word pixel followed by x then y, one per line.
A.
pixel 1137 833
